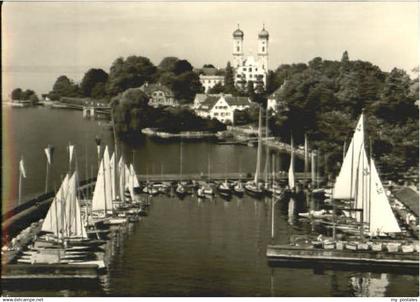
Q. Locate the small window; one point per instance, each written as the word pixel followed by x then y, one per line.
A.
pixel 237 48
pixel 263 49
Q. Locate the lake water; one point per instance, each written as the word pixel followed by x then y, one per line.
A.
pixel 184 247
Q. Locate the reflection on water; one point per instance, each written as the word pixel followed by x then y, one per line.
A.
pixel 369 285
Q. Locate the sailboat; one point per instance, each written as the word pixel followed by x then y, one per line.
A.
pixel 102 206
pixel 180 189
pixel 359 185
pixel 252 187
pixel 63 238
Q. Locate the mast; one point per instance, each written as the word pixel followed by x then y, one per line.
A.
pixel 267 159
pixel 208 166
pixel 313 167
pixel 344 149
pixel 257 170
pixel 306 157
pixel 180 160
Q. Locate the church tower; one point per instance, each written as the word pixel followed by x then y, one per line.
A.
pixel 238 53
pixel 263 49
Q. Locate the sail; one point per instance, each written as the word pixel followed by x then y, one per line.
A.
pixel 108 180
pixel 74 227
pixel 98 200
pixel 257 169
pixel 133 182
pixel 292 165
pixel 382 219
pixel 53 221
pixel 101 200
pixel 344 187
pixel 121 180
pixel 126 176
pixel 362 186
pixel 113 177
pixel 134 179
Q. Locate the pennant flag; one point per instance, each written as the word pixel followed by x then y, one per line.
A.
pixel 71 148
pixel 49 153
pixel 22 168
pixel 292 166
pixel 98 145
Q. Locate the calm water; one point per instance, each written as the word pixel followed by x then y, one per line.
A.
pixel 184 247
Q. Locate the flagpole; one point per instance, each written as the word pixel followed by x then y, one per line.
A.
pixel 46 177
pixel 20 185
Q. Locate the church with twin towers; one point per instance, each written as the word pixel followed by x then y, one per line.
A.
pixel 250 68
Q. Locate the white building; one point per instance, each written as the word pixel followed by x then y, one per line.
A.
pixel 222 107
pixel 209 81
pixel 276 98
pixel 250 68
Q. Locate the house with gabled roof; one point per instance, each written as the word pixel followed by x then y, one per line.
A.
pixel 159 95
pixel 222 107
pixel 275 98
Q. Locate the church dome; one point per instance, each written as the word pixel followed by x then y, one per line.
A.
pixel 263 34
pixel 238 33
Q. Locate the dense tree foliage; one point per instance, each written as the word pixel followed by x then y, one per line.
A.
pixel 325 98
pixel 168 64
pixel 63 86
pixel 17 94
pixel 24 95
pixel 132 113
pixel 178 76
pixel 130 73
pixel 93 83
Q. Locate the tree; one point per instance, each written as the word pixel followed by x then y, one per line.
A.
pixel 16 94
pixel 91 78
pixel 34 98
pixel 182 66
pixel 98 91
pixel 64 87
pixel 168 64
pixel 216 89
pixel 345 57
pixel 229 80
pixel 186 86
pixel 208 66
pixel 130 73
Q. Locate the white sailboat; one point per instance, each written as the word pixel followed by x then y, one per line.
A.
pixel 382 218
pixel 359 182
pixel 252 187
pixel 64 218
pixel 102 197
pixel 344 187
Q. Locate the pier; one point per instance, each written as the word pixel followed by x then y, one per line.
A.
pixel 281 176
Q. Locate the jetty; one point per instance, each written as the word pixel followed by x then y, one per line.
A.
pixel 281 176
pixel 362 258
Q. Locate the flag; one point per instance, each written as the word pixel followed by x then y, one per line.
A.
pixel 49 153
pixel 71 148
pixel 22 168
pixel 292 166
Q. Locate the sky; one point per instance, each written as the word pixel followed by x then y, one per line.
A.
pixel 43 40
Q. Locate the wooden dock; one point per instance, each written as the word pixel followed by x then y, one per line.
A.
pixel 49 271
pixel 308 256
pixel 217 176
